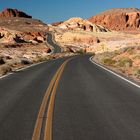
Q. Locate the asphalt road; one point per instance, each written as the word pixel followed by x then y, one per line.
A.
pixel 68 99
pixel 50 39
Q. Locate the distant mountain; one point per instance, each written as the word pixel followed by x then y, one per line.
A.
pixel 13 13
pixel 118 19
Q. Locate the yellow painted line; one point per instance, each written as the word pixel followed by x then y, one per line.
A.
pixel 39 121
pixel 38 125
pixel 48 125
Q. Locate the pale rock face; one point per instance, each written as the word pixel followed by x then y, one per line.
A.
pixel 81 24
pixel 78 38
pixel 40 38
pixel 63 27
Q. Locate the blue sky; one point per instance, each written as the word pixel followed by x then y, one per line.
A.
pixel 59 10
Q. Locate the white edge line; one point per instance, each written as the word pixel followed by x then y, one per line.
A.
pixel 114 73
pixel 18 70
pixel 1 77
pixel 29 66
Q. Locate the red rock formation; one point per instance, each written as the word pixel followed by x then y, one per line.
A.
pixel 13 13
pixel 118 19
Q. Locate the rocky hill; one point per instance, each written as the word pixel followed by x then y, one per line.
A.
pixel 77 23
pixel 22 40
pixel 118 19
pixel 16 24
pixel 13 13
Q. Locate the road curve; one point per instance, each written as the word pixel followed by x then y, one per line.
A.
pixel 50 40
pixel 21 95
pixel 84 102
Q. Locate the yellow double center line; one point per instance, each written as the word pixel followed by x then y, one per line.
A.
pixel 50 94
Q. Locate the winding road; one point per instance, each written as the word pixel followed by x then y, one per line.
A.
pixel 68 99
pixel 50 40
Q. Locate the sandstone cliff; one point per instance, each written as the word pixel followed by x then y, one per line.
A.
pixel 118 19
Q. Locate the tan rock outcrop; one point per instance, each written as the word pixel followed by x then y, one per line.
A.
pixel 81 24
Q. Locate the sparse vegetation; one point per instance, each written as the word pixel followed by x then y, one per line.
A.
pixel 5 69
pixel 125 62
pixel 109 61
pixel 136 72
pixel 41 58
pixel 130 51
pixel 81 51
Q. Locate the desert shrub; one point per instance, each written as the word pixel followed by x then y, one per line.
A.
pixel 14 62
pixel 76 39
pixel 116 52
pixel 109 61
pixel 125 62
pixel 136 56
pixel 41 58
pixel 130 50
pixel 5 69
pixel 91 53
pixel 80 51
pixel 136 72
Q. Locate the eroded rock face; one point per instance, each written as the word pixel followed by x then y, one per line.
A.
pixel 13 13
pixel 81 24
pixel 118 19
pixel 12 36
